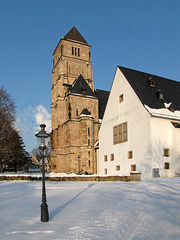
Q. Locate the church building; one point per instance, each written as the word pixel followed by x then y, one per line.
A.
pixel 77 107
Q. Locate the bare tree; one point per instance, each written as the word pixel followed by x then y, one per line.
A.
pixel 12 149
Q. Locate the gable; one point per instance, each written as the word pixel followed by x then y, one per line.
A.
pixel 80 86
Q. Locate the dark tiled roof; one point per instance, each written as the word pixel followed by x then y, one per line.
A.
pixel 80 86
pixel 103 98
pixel 147 94
pixel 74 34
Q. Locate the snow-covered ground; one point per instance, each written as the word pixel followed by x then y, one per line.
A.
pixel 144 210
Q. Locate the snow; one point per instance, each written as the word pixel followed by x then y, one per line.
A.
pixel 163 112
pixel 91 210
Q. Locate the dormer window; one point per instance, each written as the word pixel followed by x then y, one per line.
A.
pixel 160 94
pixel 151 82
pixel 83 91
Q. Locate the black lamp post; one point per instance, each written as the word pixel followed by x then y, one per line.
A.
pixel 42 137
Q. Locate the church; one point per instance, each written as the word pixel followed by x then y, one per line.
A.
pixel 77 107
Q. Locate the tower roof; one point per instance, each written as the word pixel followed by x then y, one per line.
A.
pixel 75 35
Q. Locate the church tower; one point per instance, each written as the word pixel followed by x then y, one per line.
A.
pixel 74 108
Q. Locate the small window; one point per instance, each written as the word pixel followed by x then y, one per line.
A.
pixel 75 51
pixel 83 91
pixel 166 152
pixel 118 168
pixel 160 94
pixel 72 50
pixel 151 82
pixel 133 167
pixel 89 153
pixel 121 98
pixel 88 131
pixel 112 157
pixel 130 154
pixel 78 52
pixel 105 158
pixel 105 170
pixel 89 163
pixel 88 142
pixel 166 165
pixel 77 112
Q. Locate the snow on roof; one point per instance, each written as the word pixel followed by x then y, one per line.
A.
pixel 164 113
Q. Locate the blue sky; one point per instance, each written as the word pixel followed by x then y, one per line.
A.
pixel 139 34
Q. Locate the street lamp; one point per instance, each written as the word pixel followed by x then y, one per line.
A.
pixel 42 137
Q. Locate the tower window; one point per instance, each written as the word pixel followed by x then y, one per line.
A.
pixel 75 51
pixel 88 142
pixel 105 158
pixel 78 52
pixel 89 163
pixel 88 131
pixel 72 50
pixel 77 112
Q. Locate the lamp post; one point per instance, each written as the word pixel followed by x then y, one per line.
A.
pixel 42 137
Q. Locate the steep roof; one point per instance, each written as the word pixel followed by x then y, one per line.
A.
pixel 148 88
pixel 102 98
pixel 75 35
pixel 80 86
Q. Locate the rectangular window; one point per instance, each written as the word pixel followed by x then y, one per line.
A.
pixel 121 98
pixel 75 51
pixel 105 158
pixel 166 152
pixel 120 133
pixel 112 157
pixel 105 170
pixel 88 131
pixel 133 167
pixel 78 52
pixel 118 168
pixel 166 165
pixel 72 50
pixel 130 154
pixel 88 142
pixel 89 163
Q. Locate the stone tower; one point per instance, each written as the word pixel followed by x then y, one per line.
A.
pixel 74 108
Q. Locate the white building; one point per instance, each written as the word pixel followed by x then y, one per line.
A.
pixel 140 130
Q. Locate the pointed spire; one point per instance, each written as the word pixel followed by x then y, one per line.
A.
pixel 75 35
